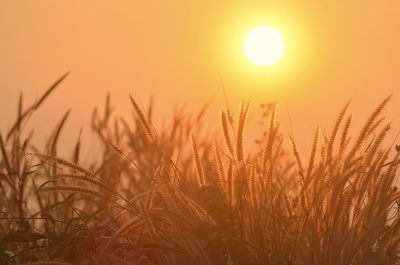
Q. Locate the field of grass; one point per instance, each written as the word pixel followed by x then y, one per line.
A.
pixel 183 195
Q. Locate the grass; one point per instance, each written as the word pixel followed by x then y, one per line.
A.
pixel 183 195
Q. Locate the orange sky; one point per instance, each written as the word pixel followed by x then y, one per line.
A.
pixel 180 50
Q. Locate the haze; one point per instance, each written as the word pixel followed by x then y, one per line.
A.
pixel 186 52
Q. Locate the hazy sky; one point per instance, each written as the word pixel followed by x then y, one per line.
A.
pixel 182 51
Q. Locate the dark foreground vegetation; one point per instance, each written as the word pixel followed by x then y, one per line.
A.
pixel 183 195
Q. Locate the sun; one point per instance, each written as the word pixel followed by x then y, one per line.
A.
pixel 264 46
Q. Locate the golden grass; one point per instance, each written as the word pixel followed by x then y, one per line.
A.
pixel 183 195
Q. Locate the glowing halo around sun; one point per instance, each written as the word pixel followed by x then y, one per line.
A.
pixel 264 46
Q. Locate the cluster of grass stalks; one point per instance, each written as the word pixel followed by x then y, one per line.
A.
pixel 185 195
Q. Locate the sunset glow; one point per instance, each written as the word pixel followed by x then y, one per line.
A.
pixel 200 132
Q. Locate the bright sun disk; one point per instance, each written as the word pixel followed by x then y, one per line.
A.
pixel 264 46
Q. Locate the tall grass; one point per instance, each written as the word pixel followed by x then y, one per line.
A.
pixel 185 195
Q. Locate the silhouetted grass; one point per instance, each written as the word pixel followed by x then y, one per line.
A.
pixel 184 195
